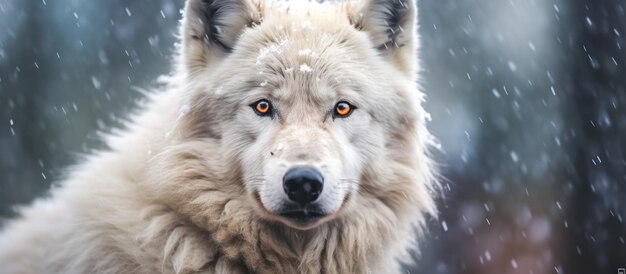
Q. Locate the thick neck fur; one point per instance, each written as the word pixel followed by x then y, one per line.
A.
pixel 353 246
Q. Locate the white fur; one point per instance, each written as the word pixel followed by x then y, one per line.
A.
pixel 175 193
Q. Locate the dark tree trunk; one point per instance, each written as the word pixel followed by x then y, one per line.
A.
pixel 593 38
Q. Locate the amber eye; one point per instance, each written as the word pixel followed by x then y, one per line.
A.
pixel 262 107
pixel 343 109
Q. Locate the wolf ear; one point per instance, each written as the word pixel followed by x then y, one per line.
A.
pixel 391 26
pixel 211 28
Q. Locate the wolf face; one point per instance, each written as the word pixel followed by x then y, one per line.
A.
pixel 311 107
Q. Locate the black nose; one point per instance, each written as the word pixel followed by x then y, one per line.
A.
pixel 303 184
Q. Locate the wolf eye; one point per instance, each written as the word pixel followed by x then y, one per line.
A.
pixel 262 107
pixel 343 109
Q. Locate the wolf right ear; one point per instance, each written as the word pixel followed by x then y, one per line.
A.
pixel 391 26
pixel 211 28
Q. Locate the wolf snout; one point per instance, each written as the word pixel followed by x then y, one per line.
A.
pixel 303 185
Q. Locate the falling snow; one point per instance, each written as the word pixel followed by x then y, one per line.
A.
pixel 305 52
pixel 527 101
pixel 305 68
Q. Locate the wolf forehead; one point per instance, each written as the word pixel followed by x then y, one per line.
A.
pixel 303 48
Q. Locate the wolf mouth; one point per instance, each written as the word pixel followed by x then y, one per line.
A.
pixel 302 215
pixel 290 214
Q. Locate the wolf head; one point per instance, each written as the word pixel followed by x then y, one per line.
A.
pixel 300 111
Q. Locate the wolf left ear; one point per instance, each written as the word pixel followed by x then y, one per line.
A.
pixel 391 26
pixel 211 29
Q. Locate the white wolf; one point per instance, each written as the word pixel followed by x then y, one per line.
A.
pixel 289 139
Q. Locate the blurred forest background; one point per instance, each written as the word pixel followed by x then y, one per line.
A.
pixel 527 99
